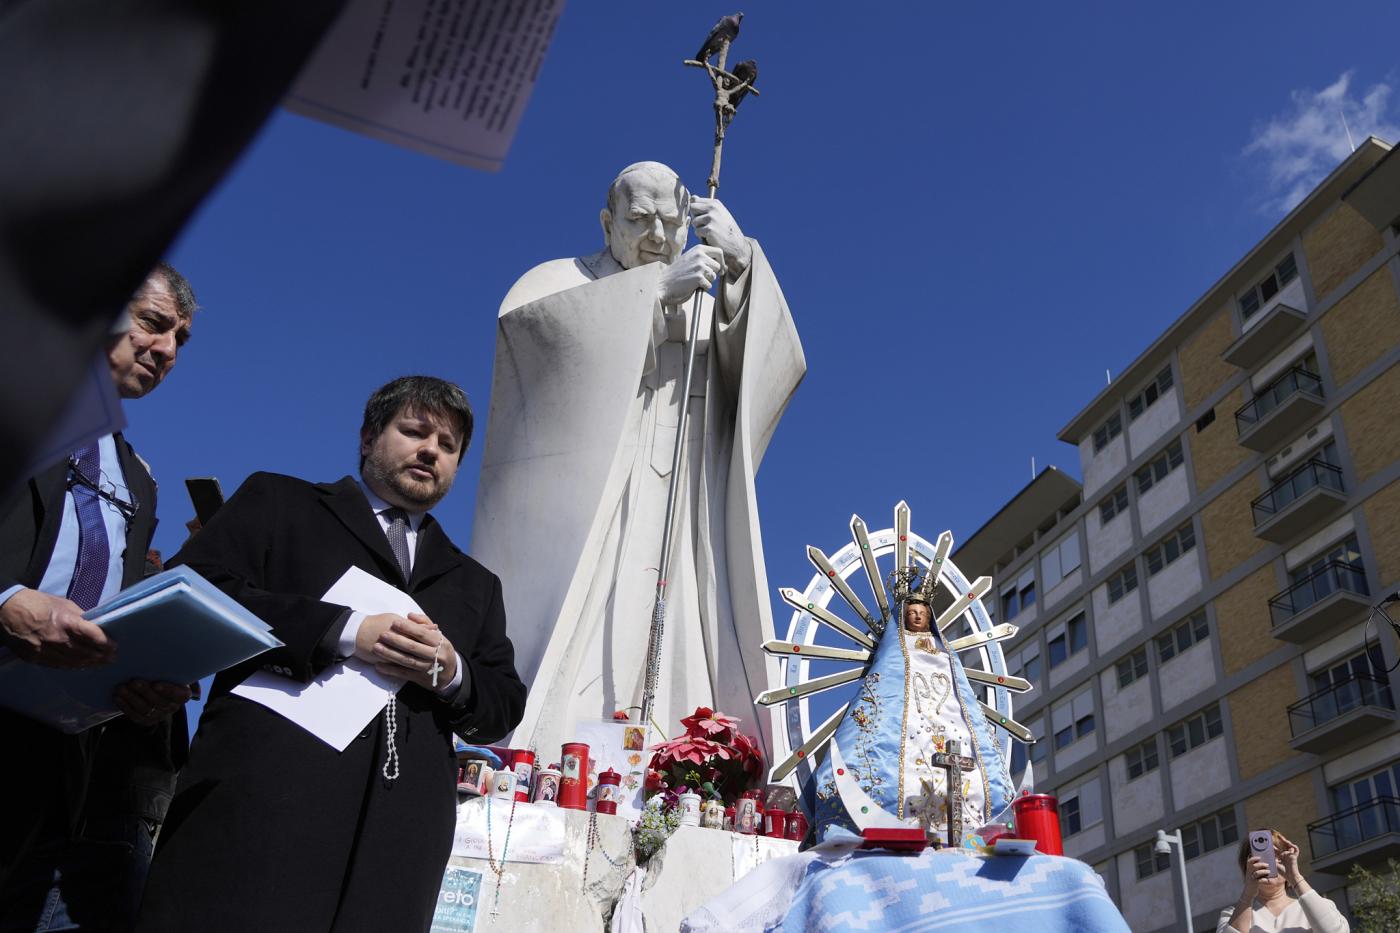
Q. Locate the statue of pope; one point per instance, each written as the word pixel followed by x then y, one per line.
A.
pixel 585 395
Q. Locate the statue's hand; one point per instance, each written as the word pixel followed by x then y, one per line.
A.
pixel 695 270
pixel 715 226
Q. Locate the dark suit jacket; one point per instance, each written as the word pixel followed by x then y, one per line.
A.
pixel 56 774
pixel 317 838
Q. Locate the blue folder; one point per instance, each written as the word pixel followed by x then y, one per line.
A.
pixel 175 627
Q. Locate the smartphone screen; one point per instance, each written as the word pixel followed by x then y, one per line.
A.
pixel 1261 846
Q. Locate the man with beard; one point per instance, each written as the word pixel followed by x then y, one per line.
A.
pixel 272 828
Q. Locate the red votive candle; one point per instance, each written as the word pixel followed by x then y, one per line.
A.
pixel 609 788
pixel 796 825
pixel 1038 818
pixel 573 779
pixel 523 764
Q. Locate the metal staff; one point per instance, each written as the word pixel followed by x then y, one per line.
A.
pixel 728 87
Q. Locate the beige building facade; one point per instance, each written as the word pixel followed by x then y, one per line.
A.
pixel 1197 615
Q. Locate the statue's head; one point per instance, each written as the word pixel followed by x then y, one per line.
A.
pixel 918 616
pixel 647 217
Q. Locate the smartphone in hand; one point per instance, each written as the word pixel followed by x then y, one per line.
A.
pixel 1261 846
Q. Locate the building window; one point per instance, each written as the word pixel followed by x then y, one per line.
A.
pixel 1171 547
pixel 1156 470
pixel 1347 551
pixel 1355 680
pixel 1068 639
pixel 1025 663
pixel 1194 731
pixel 1132 667
pixel 1115 503
pixel 1194 628
pixel 1155 389
pixel 1060 560
pixel 1150 862
pixel 1108 431
pixel 1019 596
pixel 1122 583
pixel 1273 283
pixel 1039 748
pixel 1073 719
pixel 1141 759
pixel 1358 792
pixel 1080 808
pixel 1214 832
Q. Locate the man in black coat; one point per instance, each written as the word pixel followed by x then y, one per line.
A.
pixel 273 829
pixel 81 810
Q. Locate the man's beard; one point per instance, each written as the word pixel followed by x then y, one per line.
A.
pixel 411 492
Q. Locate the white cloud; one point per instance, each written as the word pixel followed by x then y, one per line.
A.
pixel 1298 148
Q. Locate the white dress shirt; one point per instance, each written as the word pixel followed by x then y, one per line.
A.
pixel 346 644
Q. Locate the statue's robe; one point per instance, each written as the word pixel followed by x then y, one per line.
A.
pixel 913 700
pixel 572 495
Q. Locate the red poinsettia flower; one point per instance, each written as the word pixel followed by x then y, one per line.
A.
pixel 708 722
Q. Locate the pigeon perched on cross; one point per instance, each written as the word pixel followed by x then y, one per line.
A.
pixel 724 31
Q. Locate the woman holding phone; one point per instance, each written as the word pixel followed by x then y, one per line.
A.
pixel 1265 906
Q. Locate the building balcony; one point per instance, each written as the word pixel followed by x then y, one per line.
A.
pixel 1276 327
pixel 1363 835
pixel 1280 411
pixel 1320 603
pixel 1304 498
pixel 1340 713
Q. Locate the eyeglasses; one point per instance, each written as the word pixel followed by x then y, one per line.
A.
pixel 105 489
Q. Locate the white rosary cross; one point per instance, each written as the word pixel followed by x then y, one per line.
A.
pixel 437 667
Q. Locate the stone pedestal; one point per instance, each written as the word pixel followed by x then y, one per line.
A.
pixel 696 865
pixel 538 896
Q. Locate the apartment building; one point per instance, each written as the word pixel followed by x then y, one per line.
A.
pixel 1197 616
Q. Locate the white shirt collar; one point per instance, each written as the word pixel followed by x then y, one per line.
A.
pixel 415 519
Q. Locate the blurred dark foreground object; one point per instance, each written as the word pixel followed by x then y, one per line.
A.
pixel 118 117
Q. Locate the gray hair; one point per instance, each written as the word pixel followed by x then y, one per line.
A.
pixel 179 287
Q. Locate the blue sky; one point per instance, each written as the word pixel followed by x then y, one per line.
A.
pixel 989 203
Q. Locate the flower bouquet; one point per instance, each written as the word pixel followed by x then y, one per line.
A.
pixel 713 757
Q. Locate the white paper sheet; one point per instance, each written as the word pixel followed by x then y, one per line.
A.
pixel 536 832
pixel 345 697
pixel 449 78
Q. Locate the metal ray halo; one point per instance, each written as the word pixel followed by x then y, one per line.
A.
pixel 830 593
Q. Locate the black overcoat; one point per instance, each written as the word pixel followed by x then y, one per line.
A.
pixel 50 770
pixel 272 829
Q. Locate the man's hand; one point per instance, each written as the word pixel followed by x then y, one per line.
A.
pixel 715 226
pixel 408 648
pixel 51 630
pixel 695 270
pixel 147 703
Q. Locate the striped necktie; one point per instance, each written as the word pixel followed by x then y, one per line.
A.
pixel 94 555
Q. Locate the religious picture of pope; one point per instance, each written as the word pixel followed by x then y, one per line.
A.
pixel 585 399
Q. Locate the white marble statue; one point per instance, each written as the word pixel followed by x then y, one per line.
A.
pixel 584 405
